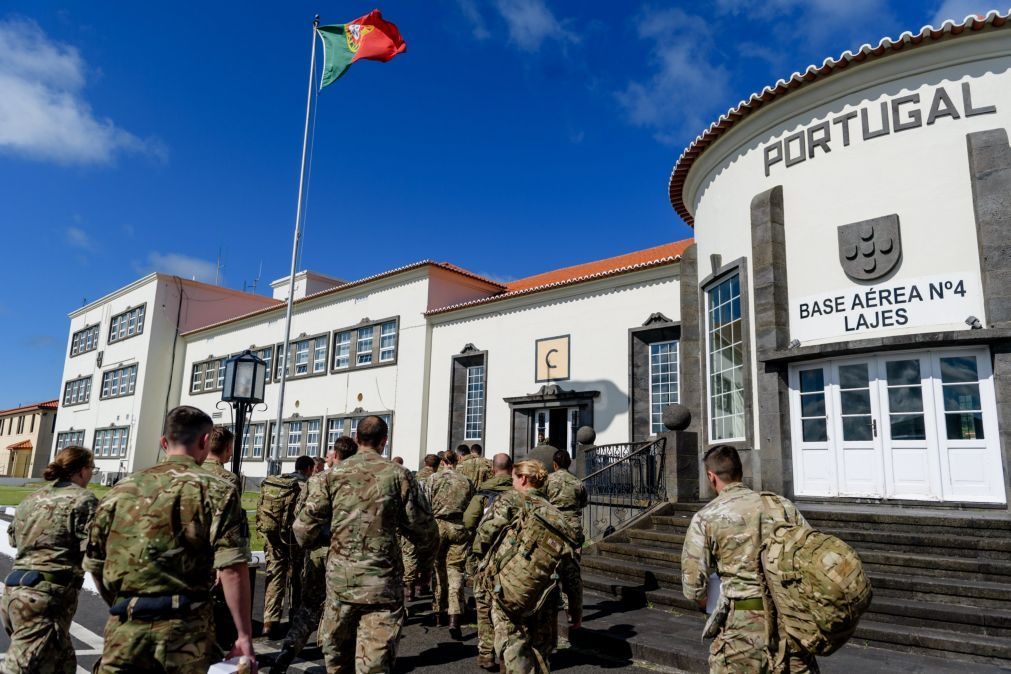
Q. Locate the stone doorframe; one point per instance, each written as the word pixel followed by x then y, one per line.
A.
pixel 521 410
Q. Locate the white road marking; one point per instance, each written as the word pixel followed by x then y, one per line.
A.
pixel 82 670
pixel 82 633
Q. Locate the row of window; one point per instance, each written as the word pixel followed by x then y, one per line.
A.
pixel 116 383
pixel 304 436
pixel 18 422
pixel 351 348
pixel 122 326
pixel 110 443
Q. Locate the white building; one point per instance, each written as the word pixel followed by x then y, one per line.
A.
pixel 388 345
pixel 850 289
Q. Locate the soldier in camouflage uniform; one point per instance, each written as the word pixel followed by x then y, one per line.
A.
pixel 417 572
pixel 566 492
pixel 474 467
pixel 305 619
pixel 365 500
pixel 450 493
pixel 487 493
pixel 523 645
pixel 723 536
pixel 152 546
pixel 49 531
pixel 222 443
pixel 283 559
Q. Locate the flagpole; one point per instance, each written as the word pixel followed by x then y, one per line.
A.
pixel 275 460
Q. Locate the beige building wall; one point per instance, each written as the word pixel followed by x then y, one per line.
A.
pixel 26 436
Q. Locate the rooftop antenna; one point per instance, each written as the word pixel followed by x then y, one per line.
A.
pixel 258 274
pixel 218 268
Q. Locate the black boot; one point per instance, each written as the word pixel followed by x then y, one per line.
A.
pixel 454 627
pixel 283 661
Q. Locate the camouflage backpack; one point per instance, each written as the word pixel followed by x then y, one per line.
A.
pixel 524 560
pixel 816 582
pixel 279 496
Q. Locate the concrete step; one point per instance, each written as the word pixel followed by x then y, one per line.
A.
pixel 647 575
pixel 662 557
pixel 934 565
pixel 957 618
pixel 957 591
pixel 982 520
pixel 636 595
pixel 951 545
pixel 927 640
pixel 654 537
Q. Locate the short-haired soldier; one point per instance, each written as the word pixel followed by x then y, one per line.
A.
pixel 155 540
pixel 722 537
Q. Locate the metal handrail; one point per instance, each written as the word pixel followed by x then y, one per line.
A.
pixel 625 488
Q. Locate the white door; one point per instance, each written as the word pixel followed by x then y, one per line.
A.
pixel 903 425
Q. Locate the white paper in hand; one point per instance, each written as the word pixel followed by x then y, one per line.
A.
pixel 713 598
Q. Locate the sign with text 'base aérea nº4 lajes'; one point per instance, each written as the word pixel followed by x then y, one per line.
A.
pixel 939 302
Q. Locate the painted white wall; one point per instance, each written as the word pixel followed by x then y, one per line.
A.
pixel 597 315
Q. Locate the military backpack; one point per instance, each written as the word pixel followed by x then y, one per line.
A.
pixel 525 558
pixel 279 498
pixel 816 583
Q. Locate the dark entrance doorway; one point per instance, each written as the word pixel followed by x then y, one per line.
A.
pixel 552 413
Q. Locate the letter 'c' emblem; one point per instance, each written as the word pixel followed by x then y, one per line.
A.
pixel 870 249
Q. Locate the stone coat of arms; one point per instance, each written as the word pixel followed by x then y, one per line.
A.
pixel 870 249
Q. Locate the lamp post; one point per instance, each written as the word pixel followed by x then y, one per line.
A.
pixel 244 380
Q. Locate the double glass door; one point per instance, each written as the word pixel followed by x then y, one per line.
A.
pixel 899 425
pixel 555 426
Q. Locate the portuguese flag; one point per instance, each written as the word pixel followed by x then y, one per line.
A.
pixel 368 37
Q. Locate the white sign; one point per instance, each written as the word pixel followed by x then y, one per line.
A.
pixel 861 311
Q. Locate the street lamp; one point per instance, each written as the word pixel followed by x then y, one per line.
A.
pixel 244 381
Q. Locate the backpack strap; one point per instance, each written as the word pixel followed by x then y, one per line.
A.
pixel 775 649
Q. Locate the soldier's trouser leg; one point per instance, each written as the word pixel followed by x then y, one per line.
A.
pixel 517 653
pixel 275 581
pixel 456 577
pixel 440 578
pixel 485 631
pixel 572 588
pixel 182 645
pixel 740 648
pixel 38 619
pixel 360 637
pixel 306 617
pixel 410 556
pixel 544 627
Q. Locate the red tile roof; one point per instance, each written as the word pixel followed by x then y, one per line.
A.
pixel 47 405
pixel 588 271
pixel 867 53
pixel 24 444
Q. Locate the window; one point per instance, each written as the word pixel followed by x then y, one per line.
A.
pixel 294 437
pixel 111 442
pixel 77 392
pixel 474 412
pixel 127 324
pixel 726 360
pixel 69 438
pixel 266 355
pixel 119 382
pixel 340 426
pixel 663 381
pixel 387 341
pixel 312 437
pixel 21 424
pixel 364 347
pixel 334 430
pixel 308 355
pixel 84 340
pixel 252 441
pixel 342 349
pixel 368 350
pixel 208 376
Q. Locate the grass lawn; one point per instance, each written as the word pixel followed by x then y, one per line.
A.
pixel 12 496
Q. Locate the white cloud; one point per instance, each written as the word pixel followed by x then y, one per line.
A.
pixel 477 25
pixel 686 83
pixel 957 10
pixel 43 114
pixel 78 238
pixel 530 23
pixel 180 265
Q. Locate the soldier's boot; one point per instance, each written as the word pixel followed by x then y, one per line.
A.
pixel 454 627
pixel 283 661
pixel 410 592
pixel 269 628
pixel 487 662
pixel 440 619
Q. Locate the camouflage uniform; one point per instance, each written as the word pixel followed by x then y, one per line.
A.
pixel 159 534
pixel 415 570
pixel 366 500
pixel 215 467
pixel 305 619
pixel 475 468
pixel 471 519
pixel 451 492
pixel 566 492
pixel 49 531
pixel 523 645
pixel 282 567
pixel 724 536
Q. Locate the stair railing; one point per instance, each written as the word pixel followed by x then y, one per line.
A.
pixel 622 482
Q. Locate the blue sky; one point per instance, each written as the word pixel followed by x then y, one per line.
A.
pixel 513 137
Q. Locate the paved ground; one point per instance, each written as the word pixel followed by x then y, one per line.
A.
pixel 422 648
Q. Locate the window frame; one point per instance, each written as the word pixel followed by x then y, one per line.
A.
pixel 98 442
pixel 348 426
pixel 138 331
pixel 376 349
pixel 72 435
pixel 63 401
pixel 125 369
pixel 677 378
pixel 480 404
pixel 310 341
pixel 94 327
